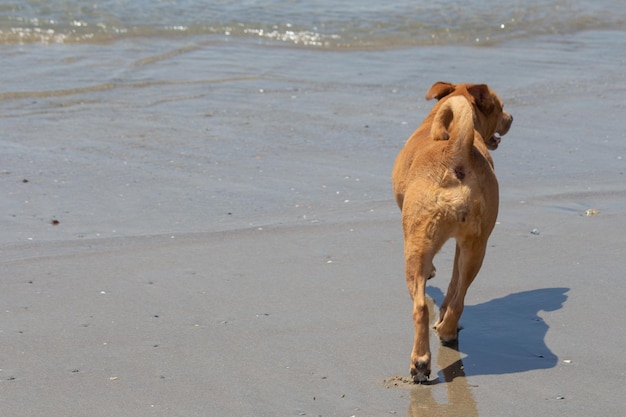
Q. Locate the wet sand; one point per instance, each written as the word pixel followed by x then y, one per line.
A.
pixel 224 242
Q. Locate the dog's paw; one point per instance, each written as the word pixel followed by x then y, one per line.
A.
pixel 446 337
pixel 420 370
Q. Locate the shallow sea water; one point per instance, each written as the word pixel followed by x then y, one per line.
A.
pixel 205 134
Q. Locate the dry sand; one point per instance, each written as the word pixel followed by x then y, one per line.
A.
pixel 274 285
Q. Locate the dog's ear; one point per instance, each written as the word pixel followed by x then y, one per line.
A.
pixel 482 97
pixel 439 90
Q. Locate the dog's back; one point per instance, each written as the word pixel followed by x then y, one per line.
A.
pixel 442 154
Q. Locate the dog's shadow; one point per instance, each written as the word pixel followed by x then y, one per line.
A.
pixel 505 335
pixel 502 336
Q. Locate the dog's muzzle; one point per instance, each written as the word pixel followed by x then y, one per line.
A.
pixel 503 127
pixel 505 124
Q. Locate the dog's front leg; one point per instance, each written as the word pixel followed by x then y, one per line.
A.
pixel 468 260
pixel 452 287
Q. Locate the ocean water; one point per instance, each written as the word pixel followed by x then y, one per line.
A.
pixel 143 117
pixel 319 23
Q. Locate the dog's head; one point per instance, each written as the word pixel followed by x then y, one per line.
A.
pixel 490 119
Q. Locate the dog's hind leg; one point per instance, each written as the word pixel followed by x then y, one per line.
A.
pixel 420 247
pixel 417 273
pixel 416 276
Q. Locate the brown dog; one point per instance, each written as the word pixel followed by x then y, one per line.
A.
pixel 445 185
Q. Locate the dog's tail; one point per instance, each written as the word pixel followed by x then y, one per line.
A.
pixel 454 122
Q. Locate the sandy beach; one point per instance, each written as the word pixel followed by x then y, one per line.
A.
pixel 221 240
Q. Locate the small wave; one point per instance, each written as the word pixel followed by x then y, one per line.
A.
pixel 307 38
pixel 359 27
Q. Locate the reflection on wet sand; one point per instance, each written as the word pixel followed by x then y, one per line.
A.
pixel 459 401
